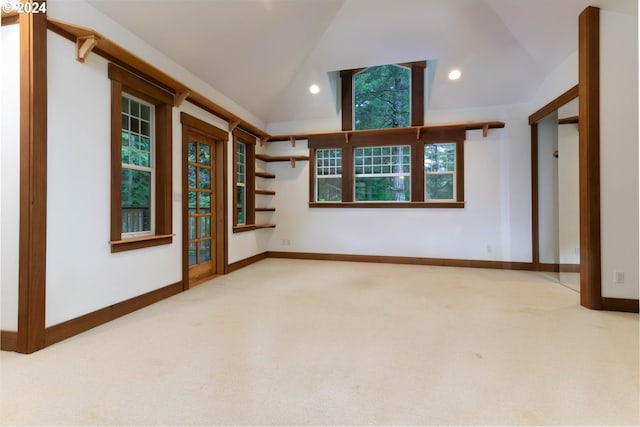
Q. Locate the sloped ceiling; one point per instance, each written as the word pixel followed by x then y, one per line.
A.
pixel 264 54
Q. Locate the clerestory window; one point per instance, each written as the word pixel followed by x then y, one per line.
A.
pixel 383 96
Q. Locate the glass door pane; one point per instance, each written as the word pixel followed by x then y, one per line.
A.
pixel 200 181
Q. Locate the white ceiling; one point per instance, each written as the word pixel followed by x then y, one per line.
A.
pixel 264 54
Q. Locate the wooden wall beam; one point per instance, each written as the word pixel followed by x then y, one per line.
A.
pixel 589 157
pixel 33 182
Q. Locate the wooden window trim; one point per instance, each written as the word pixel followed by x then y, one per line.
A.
pixel 250 186
pixel 388 137
pixel 417 93
pixel 438 205
pixel 124 81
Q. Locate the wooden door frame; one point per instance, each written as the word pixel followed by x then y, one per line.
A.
pixel 534 118
pixel 587 90
pixel 194 126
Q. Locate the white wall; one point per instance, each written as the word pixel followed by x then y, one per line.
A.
pixel 80 12
pixel 619 152
pixel 496 168
pixel 548 189
pixel 9 174
pixel 82 273
pixel 561 79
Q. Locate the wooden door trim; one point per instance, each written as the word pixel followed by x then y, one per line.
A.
pixel 534 118
pixel 192 126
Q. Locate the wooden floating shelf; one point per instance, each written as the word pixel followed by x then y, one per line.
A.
pixel 265 209
pixel 568 120
pixel 266 192
pixel 265 175
pixel 292 159
pixel 267 158
pixel 251 227
pixel 484 126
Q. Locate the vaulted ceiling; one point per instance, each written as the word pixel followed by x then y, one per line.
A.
pixel 264 54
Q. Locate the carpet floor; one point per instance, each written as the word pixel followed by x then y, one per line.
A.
pixel 292 342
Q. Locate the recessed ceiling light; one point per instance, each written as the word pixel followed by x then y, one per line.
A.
pixel 454 74
pixel 314 89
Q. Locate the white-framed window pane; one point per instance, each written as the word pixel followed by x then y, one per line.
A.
pixel 440 171
pixel 440 157
pixel 440 186
pixel 241 178
pixel 136 201
pixel 241 150
pixel 329 175
pixel 138 173
pixel 241 203
pixel 329 189
pixel 382 173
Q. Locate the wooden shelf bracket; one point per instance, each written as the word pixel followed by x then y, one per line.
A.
pixel 84 46
pixel 233 125
pixel 181 97
pixel 293 141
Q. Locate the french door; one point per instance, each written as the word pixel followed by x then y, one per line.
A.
pixel 201 238
pixel 203 200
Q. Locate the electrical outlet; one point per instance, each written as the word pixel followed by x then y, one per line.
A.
pixel 619 277
pixel 489 249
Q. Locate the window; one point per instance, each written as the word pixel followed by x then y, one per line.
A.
pixel 401 167
pixel 138 174
pixel 329 175
pixel 383 96
pixel 383 173
pixel 440 172
pixel 141 145
pixel 243 180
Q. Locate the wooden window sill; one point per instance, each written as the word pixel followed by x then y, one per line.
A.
pixel 429 205
pixel 251 227
pixel 140 242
